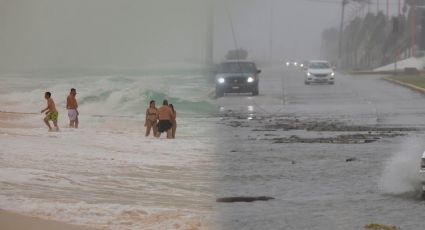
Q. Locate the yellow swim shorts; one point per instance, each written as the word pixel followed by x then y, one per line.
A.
pixel 53 116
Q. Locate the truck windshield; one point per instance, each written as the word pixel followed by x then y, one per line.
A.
pixel 235 67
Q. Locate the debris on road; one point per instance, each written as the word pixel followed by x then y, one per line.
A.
pixel 243 199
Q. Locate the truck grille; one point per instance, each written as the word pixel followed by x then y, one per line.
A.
pixel 235 80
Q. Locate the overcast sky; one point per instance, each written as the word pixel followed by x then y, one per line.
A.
pixel 137 33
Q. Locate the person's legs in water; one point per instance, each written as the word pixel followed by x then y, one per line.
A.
pixel 55 123
pixel 173 133
pixel 169 133
pixel 71 124
pixel 148 128
pixel 158 135
pixel 158 132
pixel 54 117
pixel 76 122
pixel 46 121
pixel 155 128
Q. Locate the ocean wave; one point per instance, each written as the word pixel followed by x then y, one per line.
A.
pixel 112 95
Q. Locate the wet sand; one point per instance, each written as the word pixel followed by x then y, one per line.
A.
pixel 16 120
pixel 12 221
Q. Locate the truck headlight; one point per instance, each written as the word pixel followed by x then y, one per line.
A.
pixel 250 80
pixel 221 80
pixel 332 74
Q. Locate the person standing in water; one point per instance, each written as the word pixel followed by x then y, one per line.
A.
pixel 151 119
pixel 165 116
pixel 174 122
pixel 51 112
pixel 72 106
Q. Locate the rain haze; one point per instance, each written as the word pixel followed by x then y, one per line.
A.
pixel 132 34
pixel 212 114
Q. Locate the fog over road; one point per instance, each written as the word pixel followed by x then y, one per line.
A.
pixel 358 99
pixel 334 156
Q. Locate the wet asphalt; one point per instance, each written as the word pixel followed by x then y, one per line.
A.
pixel 326 184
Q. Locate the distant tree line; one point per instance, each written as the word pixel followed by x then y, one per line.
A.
pixel 374 40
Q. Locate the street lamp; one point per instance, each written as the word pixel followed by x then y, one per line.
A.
pixel 341 28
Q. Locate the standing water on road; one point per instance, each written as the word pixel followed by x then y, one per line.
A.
pixel 285 145
pixel 333 157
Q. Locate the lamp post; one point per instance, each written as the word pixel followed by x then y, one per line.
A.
pixel 209 54
pixel 399 8
pixel 341 28
pixel 413 29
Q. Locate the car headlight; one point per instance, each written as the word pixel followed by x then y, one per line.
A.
pixel 287 64
pixel 309 74
pixel 332 74
pixel 221 80
pixel 250 80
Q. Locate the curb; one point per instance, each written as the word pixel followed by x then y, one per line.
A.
pixel 370 73
pixel 407 85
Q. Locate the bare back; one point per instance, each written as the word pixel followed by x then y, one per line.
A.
pixel 71 102
pixel 165 113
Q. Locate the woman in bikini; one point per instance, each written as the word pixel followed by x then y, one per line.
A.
pixel 151 119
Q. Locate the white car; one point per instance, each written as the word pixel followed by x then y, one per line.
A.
pixel 319 72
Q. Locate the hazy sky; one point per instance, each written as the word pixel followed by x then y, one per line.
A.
pixel 136 33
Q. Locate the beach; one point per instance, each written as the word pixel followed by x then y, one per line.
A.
pixel 12 221
pixel 107 174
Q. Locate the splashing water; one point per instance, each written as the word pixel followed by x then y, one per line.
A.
pixel 401 172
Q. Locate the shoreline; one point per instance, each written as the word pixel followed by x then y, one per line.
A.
pixel 16 120
pixel 14 221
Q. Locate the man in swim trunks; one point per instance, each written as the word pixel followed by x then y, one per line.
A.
pixel 51 112
pixel 165 117
pixel 151 119
pixel 72 106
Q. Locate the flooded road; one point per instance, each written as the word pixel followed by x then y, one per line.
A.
pixel 334 156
